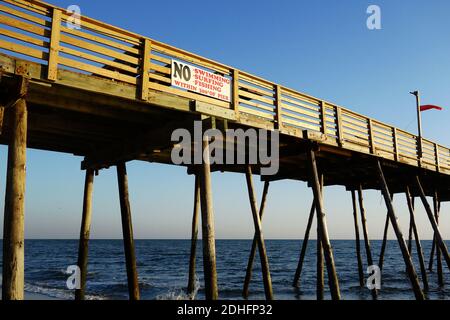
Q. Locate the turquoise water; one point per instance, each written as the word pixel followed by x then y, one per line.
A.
pixel 163 269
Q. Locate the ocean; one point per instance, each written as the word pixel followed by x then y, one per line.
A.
pixel 163 270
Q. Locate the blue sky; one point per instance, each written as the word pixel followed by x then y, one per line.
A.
pixel 320 47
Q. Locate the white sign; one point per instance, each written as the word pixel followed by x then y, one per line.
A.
pixel 197 80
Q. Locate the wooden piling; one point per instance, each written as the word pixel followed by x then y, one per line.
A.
pixel 384 243
pixel 14 214
pixel 298 271
pixel 366 233
pixel 208 232
pixel 439 240
pixel 403 247
pixel 438 251
pixel 320 283
pixel 127 229
pixel 84 233
pixel 260 238
pixel 423 271
pixel 357 239
pixel 251 258
pixel 321 219
pixel 191 280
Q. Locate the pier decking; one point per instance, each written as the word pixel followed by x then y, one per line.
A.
pixel 106 94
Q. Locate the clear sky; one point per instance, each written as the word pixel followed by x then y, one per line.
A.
pixel 320 47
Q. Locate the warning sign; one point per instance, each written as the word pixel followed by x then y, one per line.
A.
pixel 194 79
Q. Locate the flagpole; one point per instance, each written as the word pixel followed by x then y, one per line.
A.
pixel 419 123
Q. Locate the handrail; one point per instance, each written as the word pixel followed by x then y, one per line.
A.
pixel 111 52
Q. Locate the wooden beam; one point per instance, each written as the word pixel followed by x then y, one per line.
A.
pixel 84 233
pixel 14 216
pixel 384 243
pixel 416 236
pixel 366 234
pixel 54 45
pixel 145 68
pixel 259 235
pixel 315 182
pixel 127 228
pixel 358 241
pixel 438 251
pixel 251 258
pixel 191 280
pixel 208 233
pixel 320 283
pixel 406 257
pixel 298 271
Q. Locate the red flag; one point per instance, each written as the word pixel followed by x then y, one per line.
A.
pixel 429 107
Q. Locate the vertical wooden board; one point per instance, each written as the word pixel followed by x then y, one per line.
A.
pixel 54 45
pixel 323 117
pixel 279 123
pixel 236 92
pixel 340 133
pixel 145 65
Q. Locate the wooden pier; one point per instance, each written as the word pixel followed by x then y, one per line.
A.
pixel 106 94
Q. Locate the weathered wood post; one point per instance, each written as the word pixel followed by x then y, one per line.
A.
pixel 433 249
pixel 259 236
pixel 14 216
pixel 84 233
pixel 357 239
pixel 384 243
pixel 416 236
pixel 366 233
pixel 208 233
pixel 127 229
pixel 320 283
pixel 403 247
pixel 438 251
pixel 251 258
pixel 194 237
pixel 298 272
pixel 321 219
pixel 437 234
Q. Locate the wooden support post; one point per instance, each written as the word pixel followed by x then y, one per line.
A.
pixel 191 281
pixel 433 248
pixel 339 131
pixel 439 241
pixel 14 215
pixel 54 45
pixel 416 236
pixel 384 244
pixel 438 251
pixel 127 229
pixel 208 233
pixel 358 242
pixel 406 257
pixel 366 233
pixel 259 235
pixel 145 68
pixel 84 233
pixel 236 93
pixel 328 253
pixel 320 283
pixel 323 117
pixel 279 109
pixel 298 272
pixel 251 258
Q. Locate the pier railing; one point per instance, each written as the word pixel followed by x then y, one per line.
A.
pixel 44 34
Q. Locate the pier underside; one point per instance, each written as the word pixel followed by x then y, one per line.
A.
pixel 81 119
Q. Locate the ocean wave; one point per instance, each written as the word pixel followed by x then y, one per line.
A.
pixel 180 294
pixel 56 293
